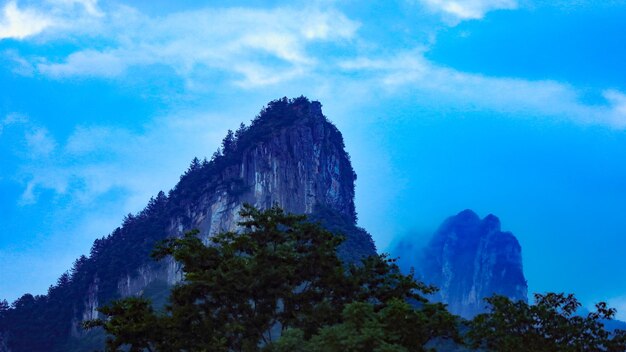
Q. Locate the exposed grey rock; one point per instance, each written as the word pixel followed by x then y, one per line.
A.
pixel 291 155
pixel 301 166
pixel 470 259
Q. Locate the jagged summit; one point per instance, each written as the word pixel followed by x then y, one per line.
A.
pixel 289 155
pixel 469 259
pixel 289 125
pixel 467 214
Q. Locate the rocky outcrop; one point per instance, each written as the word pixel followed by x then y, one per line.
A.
pixel 297 166
pixel 290 155
pixel 300 164
pixel 470 259
pixel 90 310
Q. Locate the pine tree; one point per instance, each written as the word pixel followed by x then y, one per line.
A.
pixel 195 165
pixel 228 143
pixel 244 290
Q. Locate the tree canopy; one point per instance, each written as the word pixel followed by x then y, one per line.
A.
pixel 279 276
pixel 550 325
pixel 277 285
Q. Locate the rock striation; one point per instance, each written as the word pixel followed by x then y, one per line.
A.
pixel 290 155
pixel 469 259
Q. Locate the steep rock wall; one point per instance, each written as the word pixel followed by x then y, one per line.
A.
pixel 300 166
pixel 470 259
pixel 290 155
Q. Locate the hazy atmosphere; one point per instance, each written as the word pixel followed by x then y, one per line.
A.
pixel 511 107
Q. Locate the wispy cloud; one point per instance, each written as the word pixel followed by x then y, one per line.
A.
pixel 56 16
pixel 95 160
pixel 40 143
pixel 88 63
pixel 12 119
pixel 89 6
pixel 12 60
pixel 259 47
pixel 618 103
pixel 19 23
pixel 458 10
pixel 413 72
pixel 253 48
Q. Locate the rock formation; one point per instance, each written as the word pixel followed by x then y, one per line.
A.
pixel 469 259
pixel 290 155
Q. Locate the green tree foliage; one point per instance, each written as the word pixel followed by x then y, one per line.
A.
pixel 4 310
pixel 396 327
pixel 549 325
pixel 134 324
pixel 243 291
pixel 46 322
pixel 229 143
pixel 358 243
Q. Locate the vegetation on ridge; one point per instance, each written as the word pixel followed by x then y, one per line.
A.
pixel 45 322
pixel 550 325
pixel 279 286
pixel 243 291
pixel 270 121
pixel 284 292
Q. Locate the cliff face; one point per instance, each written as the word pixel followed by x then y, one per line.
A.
pixel 290 155
pixel 469 259
pixel 299 164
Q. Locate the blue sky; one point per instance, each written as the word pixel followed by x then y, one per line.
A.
pixel 510 107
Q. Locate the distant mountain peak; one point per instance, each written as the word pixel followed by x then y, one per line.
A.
pixel 469 259
pixel 492 222
pixel 468 214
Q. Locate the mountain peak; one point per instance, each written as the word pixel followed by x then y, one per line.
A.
pixel 285 111
pixel 288 129
pixel 491 222
pixel 467 216
pixel 290 155
pixel 470 259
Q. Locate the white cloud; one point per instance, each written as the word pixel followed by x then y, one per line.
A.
pixel 410 70
pixel 16 63
pixel 261 46
pixel 12 119
pixel 59 19
pixel 469 9
pixel 90 6
pixel 254 75
pixel 88 62
pixel 618 103
pixel 17 23
pixel 95 160
pixel 40 147
pixel 39 143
